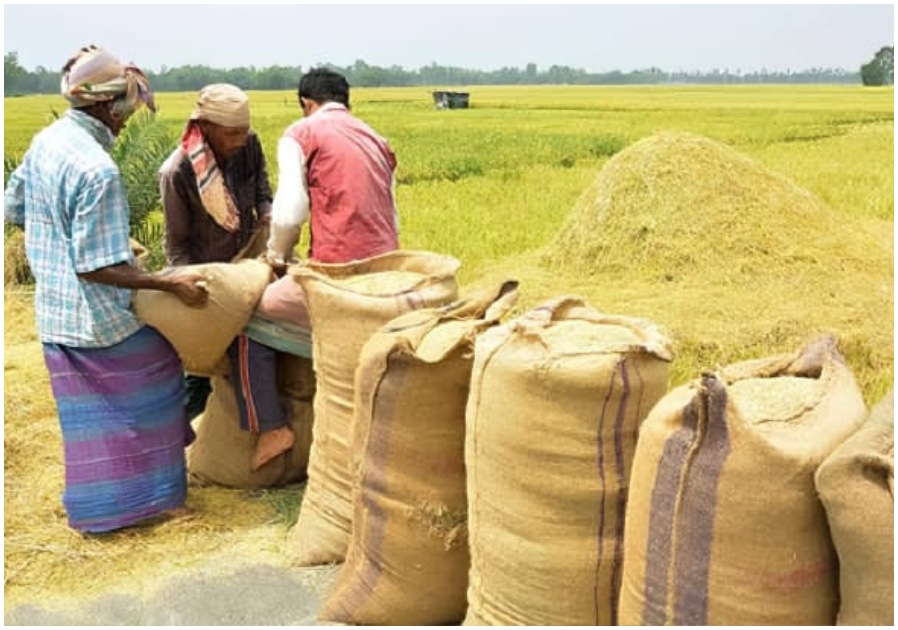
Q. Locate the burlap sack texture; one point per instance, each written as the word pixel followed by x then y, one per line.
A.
pixel 201 336
pixel 222 452
pixel 557 398
pixel 347 304
pixel 857 486
pixel 407 561
pixel 724 525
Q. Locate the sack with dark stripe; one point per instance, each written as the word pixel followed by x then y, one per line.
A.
pixel 407 562
pixel 724 525
pixel 347 303
pixel 557 398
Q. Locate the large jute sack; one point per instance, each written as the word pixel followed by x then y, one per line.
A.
pixel 347 303
pixel 857 485
pixel 724 525
pixel 201 336
pixel 222 451
pixel 557 398
pixel 407 561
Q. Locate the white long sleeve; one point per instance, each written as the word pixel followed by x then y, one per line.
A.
pixel 290 209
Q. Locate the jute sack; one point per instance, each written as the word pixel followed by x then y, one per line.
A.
pixel 201 336
pixel 557 398
pixel 856 484
pixel 222 451
pixel 347 303
pixel 407 561
pixel 724 525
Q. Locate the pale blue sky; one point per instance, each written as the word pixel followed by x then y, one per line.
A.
pixel 594 37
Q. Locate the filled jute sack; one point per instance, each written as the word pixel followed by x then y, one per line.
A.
pixel 724 525
pixel 857 486
pixel 557 397
pixel 347 303
pixel 222 451
pixel 407 561
pixel 201 336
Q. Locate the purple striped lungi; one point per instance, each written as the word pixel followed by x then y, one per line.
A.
pixel 124 430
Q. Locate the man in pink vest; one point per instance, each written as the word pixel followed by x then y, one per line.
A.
pixel 337 174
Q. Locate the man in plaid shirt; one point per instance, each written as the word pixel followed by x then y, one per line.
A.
pixel 117 382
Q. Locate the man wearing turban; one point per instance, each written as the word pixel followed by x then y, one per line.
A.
pixel 117 382
pixel 215 192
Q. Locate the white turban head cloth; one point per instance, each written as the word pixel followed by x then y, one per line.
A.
pixel 223 104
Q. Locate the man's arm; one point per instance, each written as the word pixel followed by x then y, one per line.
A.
pixel 189 287
pixel 291 202
pixel 176 217
pixel 14 199
pixel 263 184
pixel 101 248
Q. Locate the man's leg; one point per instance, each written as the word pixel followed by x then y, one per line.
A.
pixel 254 374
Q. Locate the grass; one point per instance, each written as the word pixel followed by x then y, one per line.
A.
pixel 506 188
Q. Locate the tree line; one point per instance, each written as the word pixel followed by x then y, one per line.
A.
pixel 879 71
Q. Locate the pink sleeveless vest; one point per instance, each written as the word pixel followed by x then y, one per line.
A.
pixel 350 176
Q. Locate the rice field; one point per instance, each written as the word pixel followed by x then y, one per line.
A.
pixel 505 187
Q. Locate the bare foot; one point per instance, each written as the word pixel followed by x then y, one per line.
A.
pixel 271 444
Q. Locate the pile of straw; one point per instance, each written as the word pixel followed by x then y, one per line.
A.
pixel 732 260
pixel 677 206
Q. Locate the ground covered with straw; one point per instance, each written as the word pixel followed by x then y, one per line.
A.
pixel 46 561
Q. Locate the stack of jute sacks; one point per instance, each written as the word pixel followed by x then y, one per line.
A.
pixel 541 472
pixel 407 562
pixel 490 463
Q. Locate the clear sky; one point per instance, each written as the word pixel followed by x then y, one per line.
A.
pixel 593 37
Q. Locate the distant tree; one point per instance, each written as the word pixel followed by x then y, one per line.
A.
pixel 14 75
pixel 881 69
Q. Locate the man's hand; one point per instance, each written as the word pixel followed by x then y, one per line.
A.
pixel 278 266
pixel 191 289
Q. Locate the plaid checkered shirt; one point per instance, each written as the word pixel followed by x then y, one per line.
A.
pixel 69 195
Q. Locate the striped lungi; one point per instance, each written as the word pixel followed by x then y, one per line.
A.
pixel 124 430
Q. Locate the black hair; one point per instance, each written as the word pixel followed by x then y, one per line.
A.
pixel 322 85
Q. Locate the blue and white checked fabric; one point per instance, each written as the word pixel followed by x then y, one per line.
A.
pixel 69 195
